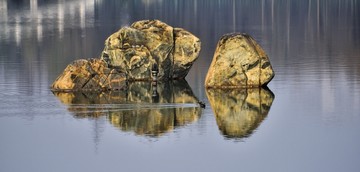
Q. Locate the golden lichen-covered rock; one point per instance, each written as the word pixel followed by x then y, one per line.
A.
pixel 239 112
pixel 187 49
pixel 131 54
pixel 238 62
pixel 159 39
pixel 89 75
pixel 143 108
pixel 137 48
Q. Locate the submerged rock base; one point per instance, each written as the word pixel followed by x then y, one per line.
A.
pixel 239 62
pixel 143 108
pixel 239 112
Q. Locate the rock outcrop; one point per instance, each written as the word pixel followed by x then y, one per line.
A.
pixel 132 54
pixel 239 112
pixel 146 43
pixel 187 49
pixel 89 75
pixel 239 62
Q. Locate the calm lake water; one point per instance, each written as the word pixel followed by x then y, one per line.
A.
pixel 308 120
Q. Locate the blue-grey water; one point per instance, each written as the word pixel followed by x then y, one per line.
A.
pixel 311 121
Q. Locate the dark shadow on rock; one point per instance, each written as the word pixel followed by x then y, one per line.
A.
pixel 145 108
pixel 239 112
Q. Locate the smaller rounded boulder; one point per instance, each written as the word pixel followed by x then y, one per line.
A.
pixel 239 62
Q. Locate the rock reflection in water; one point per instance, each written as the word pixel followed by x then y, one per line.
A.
pixel 144 108
pixel 239 112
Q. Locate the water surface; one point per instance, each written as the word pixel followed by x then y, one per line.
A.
pixel 308 120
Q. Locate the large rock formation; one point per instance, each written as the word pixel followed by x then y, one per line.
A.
pixel 238 62
pixel 239 112
pixel 131 54
pixel 136 49
pixel 143 108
